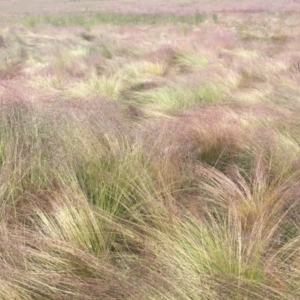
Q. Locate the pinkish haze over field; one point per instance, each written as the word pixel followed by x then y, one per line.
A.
pixel 21 7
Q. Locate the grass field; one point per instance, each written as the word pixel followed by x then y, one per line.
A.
pixel 150 156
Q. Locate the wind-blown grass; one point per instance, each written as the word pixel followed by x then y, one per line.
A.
pixel 133 166
pixel 173 97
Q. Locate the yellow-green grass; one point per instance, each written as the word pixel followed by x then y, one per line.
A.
pixel 106 17
pixel 170 98
pixel 192 60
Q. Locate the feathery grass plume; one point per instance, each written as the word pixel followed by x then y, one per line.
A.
pixel 218 135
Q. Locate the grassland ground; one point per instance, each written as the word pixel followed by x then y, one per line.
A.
pixel 37 7
pixel 150 156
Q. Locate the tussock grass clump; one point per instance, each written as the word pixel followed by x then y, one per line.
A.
pixel 12 61
pixel 173 97
pixel 192 60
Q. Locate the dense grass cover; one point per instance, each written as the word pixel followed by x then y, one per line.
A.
pixel 150 162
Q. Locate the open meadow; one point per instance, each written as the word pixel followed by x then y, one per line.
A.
pixel 149 151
